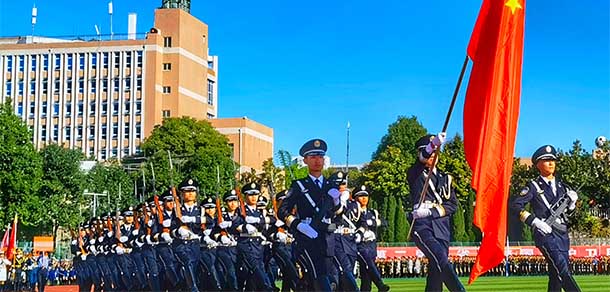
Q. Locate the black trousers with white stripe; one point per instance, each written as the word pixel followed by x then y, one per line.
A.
pixel 440 270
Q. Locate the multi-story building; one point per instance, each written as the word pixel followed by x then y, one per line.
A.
pixel 104 94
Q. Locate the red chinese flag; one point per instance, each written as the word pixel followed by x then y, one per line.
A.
pixel 490 120
pixel 12 244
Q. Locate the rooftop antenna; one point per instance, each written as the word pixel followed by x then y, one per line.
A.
pixel 34 14
pixel 110 13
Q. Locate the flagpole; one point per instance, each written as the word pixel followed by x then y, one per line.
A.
pixel 438 149
pixel 347 151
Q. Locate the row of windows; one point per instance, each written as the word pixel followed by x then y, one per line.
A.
pixel 70 60
pixel 79 132
pixel 80 108
pixel 93 85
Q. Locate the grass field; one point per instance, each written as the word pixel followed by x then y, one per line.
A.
pixel 513 283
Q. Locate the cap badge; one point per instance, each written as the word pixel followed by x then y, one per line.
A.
pixel 340 175
pixel 548 149
pixel 363 188
pixel 190 182
pixel 233 192
pixel 253 185
pixel 316 143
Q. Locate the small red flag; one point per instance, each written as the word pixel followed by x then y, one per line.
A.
pixel 490 125
pixel 5 239
pixel 12 244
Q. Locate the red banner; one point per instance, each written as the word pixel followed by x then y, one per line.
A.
pixel 577 251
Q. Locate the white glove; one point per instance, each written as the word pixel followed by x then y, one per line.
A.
pixel 421 213
pixel 110 234
pixel 334 193
pixel 184 233
pixel 439 139
pixel 83 257
pixel 139 244
pixel 250 229
pixel 149 240
pixel 358 237
pixel 119 250
pixel 150 223
pixel 123 239
pixel 225 240
pixel 252 220
pixel 573 197
pixel 167 222
pixel 166 237
pixel 281 237
pixel 344 196
pixel 307 230
pixel 209 241
pixel 279 223
pixel 188 219
pixel 436 142
pixel 369 235
pixel 225 224
pixel 100 239
pixel 135 232
pixel 542 226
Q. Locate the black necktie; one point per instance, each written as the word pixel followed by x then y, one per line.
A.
pixel 551 187
pixel 317 181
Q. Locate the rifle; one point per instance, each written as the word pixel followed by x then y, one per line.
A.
pixel 242 205
pixel 557 211
pixel 160 214
pixel 178 206
pixel 218 208
pixel 274 202
pixel 156 198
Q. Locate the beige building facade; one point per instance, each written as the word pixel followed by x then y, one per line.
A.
pixel 104 96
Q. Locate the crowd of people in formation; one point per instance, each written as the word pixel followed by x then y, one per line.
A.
pixel 29 271
pixel 413 267
pixel 309 236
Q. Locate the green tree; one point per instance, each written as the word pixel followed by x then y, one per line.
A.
pixel 197 151
pixel 61 192
pixel 458 232
pixel 402 134
pixel 109 177
pixel 388 212
pixel 20 170
pixel 401 226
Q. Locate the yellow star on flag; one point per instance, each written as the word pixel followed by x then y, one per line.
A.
pixel 513 5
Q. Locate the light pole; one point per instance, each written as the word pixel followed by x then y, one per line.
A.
pixel 95 200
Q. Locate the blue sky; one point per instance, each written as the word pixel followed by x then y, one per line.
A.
pixel 306 68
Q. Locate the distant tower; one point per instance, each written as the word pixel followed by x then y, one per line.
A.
pixel 182 4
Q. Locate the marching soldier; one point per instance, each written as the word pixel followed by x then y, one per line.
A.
pixel 432 218
pixel 189 217
pixel 146 241
pixel 548 196
pixel 249 244
pixel 227 251
pixel 366 236
pixel 164 248
pixel 281 250
pixel 210 280
pixel 136 248
pixel 346 251
pixel 316 201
